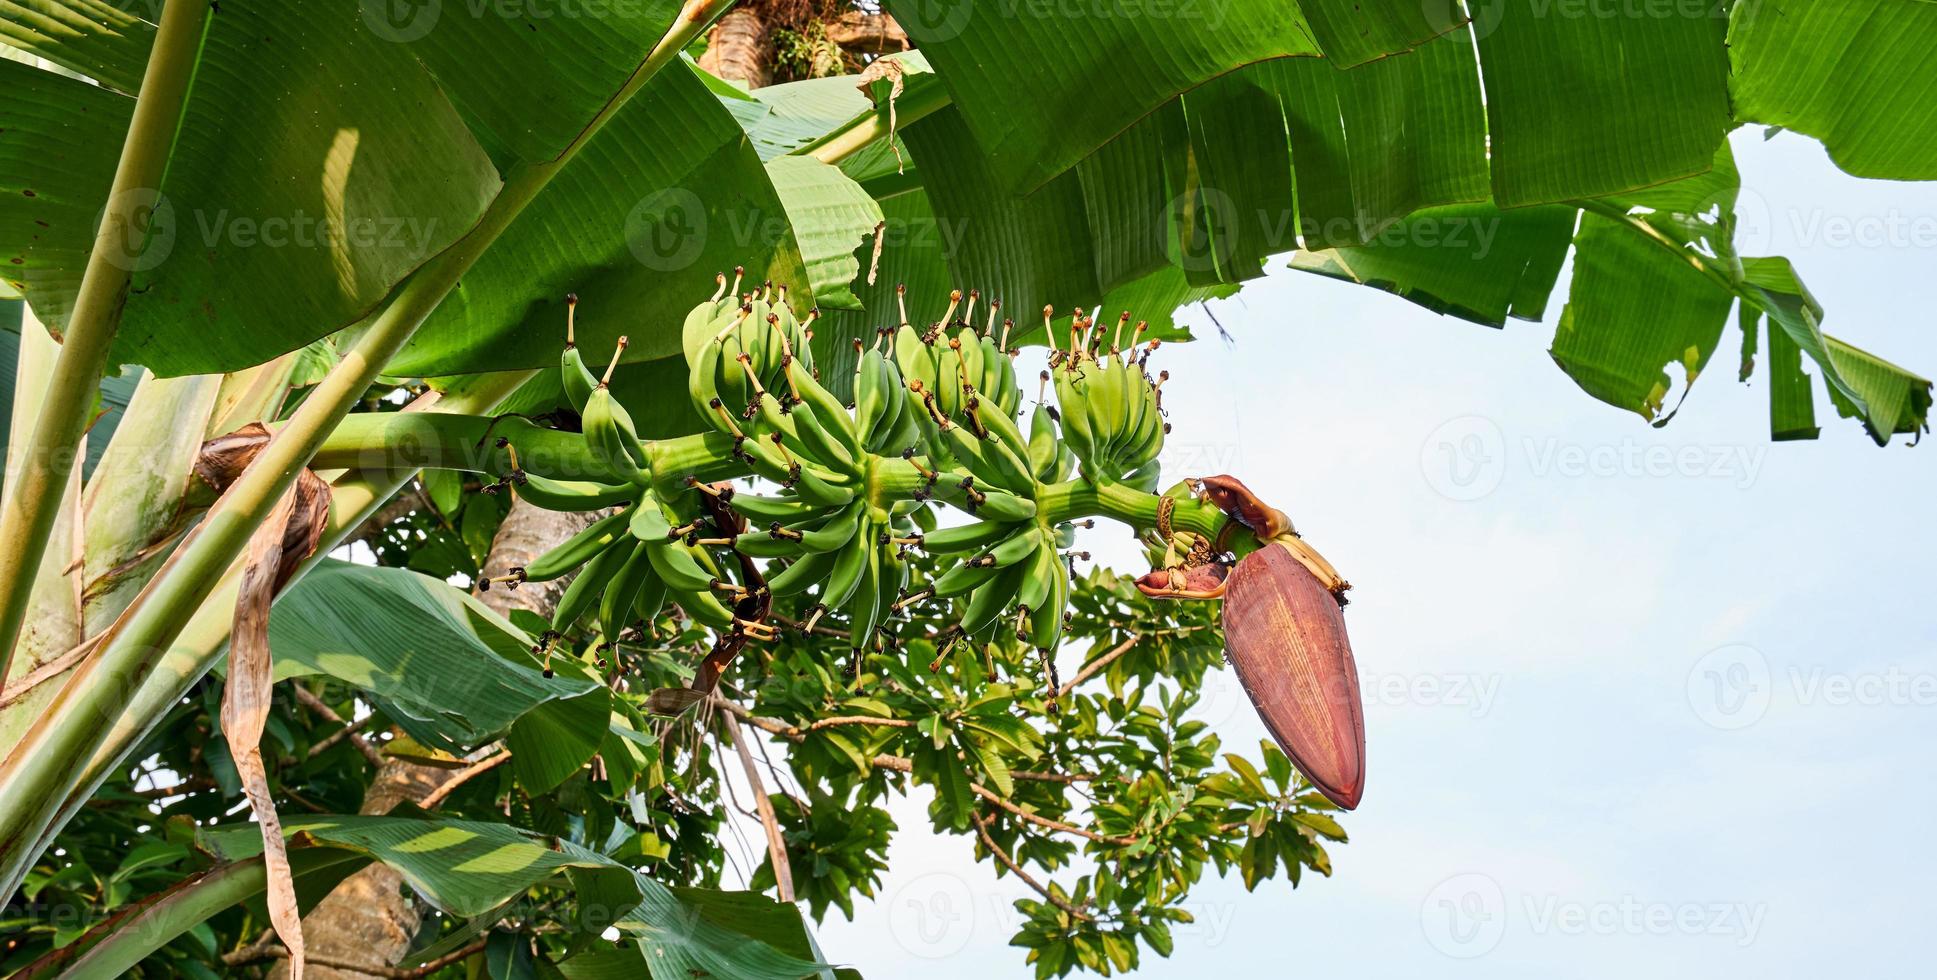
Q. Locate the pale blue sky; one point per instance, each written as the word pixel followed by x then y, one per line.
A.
pixel 1626 712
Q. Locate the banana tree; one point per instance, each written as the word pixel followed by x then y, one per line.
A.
pixel 429 187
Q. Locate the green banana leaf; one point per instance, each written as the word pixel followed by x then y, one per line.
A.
pixel 103 41
pixel 1856 74
pixel 1083 78
pixel 1475 262
pixel 313 155
pixel 1655 274
pixel 1587 106
pixel 667 195
pixel 1163 160
pixel 470 868
pixel 416 643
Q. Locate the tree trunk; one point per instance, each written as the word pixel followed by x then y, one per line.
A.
pixel 739 49
pixel 369 918
pixel 859 30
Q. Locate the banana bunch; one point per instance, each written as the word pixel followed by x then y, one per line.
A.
pixel 952 360
pixel 853 555
pixel 889 422
pixel 1112 412
pixel 609 431
pixel 944 400
pixel 739 345
pixel 629 564
pixel 1017 576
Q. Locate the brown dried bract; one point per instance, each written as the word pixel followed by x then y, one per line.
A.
pixel 224 457
pixel 1206 581
pixel 1231 496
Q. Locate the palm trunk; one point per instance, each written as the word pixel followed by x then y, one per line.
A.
pixel 740 49
pixel 369 918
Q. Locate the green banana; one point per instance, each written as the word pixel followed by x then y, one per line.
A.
pixel 871 392
pixel 828 409
pixel 961 578
pixel 987 502
pixel 864 603
pixel 674 562
pixel 577 379
pixel 613 440
pixel 1042 443
pixel 705 607
pixel 1143 478
pixel 702 376
pixel 979 457
pixel 621 595
pixel 1013 550
pixel 1071 388
pixel 836 532
pixel 1006 453
pixel 914 357
pixel 969 346
pixel 772 416
pixel 815 487
pixel 965 537
pixel 906 432
pixel 896 429
pixel 1105 404
pixel 766 510
pixel 650 600
pixel 1046 623
pixel 579 548
pixel 590 583
pixel 761 544
pixel 1039 580
pixel 701 319
pixel 817 441
pixel 571 496
pixel 649 522
pixel 989 599
pixel 609 431
pixel 800 576
pixel 1001 424
pixel 849 566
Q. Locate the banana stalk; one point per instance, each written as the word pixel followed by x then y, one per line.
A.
pixel 31 504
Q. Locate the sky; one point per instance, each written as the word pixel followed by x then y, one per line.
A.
pixel 1636 697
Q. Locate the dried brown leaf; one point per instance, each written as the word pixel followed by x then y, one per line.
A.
pixel 284 540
